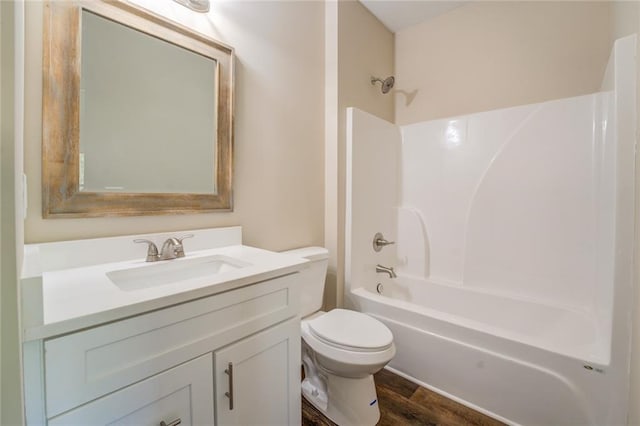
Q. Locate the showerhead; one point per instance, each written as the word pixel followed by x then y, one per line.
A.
pixel 387 83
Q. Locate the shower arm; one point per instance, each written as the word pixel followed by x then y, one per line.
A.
pixel 385 85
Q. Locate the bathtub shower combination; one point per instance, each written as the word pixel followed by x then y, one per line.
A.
pixel 513 254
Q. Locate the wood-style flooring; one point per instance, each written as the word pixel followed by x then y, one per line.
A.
pixel 405 403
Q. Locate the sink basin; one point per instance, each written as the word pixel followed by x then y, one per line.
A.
pixel 172 271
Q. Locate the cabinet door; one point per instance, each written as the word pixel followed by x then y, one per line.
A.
pixel 182 393
pixel 258 378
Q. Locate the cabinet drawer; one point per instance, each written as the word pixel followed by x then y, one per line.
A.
pixel 83 366
pixel 184 392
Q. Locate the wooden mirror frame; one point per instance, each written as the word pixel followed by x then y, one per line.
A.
pixel 61 115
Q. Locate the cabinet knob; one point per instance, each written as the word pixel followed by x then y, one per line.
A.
pixel 176 422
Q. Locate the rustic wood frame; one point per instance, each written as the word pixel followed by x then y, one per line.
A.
pixel 61 126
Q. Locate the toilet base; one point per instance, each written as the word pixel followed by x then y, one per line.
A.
pixel 345 401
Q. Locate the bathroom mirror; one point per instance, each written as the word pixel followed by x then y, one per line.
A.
pixel 137 114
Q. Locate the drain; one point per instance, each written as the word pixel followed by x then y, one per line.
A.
pixel 379 288
pixel 591 368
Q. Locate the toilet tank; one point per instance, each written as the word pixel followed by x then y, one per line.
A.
pixel 311 279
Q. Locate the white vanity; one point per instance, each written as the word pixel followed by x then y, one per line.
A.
pixel 211 338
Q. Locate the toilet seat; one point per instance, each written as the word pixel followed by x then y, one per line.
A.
pixel 351 330
pixel 346 359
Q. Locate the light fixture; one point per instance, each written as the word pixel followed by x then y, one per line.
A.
pixel 201 6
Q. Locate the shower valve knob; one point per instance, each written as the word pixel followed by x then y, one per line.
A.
pixel 379 242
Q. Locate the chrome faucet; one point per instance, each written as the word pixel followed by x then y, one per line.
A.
pixel 171 249
pixel 386 270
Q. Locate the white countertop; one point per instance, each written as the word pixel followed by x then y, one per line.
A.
pixel 80 297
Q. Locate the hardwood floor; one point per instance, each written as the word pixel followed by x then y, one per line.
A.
pixel 405 403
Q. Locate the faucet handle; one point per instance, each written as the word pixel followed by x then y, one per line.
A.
pixel 152 249
pixel 179 249
pixel 379 241
pixel 184 237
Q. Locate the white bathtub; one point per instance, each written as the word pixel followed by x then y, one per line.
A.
pixel 516 360
pixel 527 214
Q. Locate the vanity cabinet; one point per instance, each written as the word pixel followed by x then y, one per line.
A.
pixel 170 364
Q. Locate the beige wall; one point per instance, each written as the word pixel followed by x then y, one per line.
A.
pixel 362 47
pixel 10 391
pixel 489 55
pixel 625 19
pixel 280 100
pixel 278 187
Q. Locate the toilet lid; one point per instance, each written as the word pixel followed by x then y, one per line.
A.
pixel 351 329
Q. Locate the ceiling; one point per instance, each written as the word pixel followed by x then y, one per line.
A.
pixel 397 15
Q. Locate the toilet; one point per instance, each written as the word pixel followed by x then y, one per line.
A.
pixel 341 350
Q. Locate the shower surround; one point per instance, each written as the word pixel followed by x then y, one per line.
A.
pixel 514 233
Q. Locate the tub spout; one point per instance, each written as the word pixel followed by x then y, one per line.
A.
pixel 386 270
